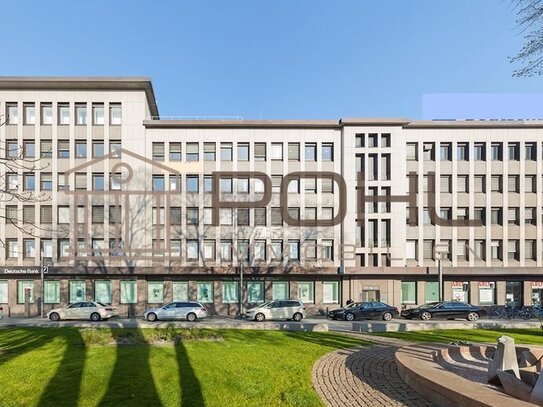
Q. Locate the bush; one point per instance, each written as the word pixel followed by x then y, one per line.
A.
pixel 129 336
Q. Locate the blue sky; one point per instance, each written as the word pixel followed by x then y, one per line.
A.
pixel 281 59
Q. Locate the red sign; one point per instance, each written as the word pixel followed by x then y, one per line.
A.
pixel 458 284
pixel 537 284
pixel 486 284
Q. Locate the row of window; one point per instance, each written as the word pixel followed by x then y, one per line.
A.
pixel 258 250
pixel 128 292
pixel 487 292
pixel 479 151
pixel 479 183
pixel 63 116
pixel 463 251
pixel 194 215
pixel 28 149
pixel 480 214
pixel 242 151
pixel 372 140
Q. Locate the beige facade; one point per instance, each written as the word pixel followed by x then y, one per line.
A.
pixel 98 160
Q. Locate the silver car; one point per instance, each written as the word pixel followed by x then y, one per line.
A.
pixel 95 311
pixel 284 309
pixel 189 310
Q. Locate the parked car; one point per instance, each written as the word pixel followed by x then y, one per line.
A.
pixel 284 309
pixel 95 311
pixel 189 310
pixel 364 310
pixel 445 309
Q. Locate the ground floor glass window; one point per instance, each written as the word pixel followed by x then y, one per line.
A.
pixel 102 291
pixel 409 292
pixel 229 292
pixel 487 293
pixel 280 290
pixel 77 291
pixel 255 291
pixel 25 289
pixel 3 292
pixel 155 292
pixel 204 292
pixel 129 292
pixel 51 292
pixel 330 290
pixel 513 293
pixel 180 290
pixel 306 291
pixel 431 291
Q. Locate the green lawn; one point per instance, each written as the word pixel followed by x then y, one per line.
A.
pixel 525 336
pixel 63 367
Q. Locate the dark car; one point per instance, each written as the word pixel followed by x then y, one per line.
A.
pixel 364 310
pixel 445 309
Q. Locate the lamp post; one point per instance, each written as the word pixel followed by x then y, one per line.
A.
pixel 439 251
pixel 42 266
pixel 241 289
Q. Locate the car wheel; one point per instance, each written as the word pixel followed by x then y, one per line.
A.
pixel 297 317
pixel 191 317
pixel 349 316
pixel 472 316
pixel 260 317
pixel 425 316
pixel 152 317
pixel 387 316
pixel 54 317
pixel 95 317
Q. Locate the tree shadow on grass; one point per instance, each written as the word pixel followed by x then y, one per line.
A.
pixel 131 382
pixel 331 340
pixel 189 385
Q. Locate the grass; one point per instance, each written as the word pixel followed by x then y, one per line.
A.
pixel 77 367
pixel 521 336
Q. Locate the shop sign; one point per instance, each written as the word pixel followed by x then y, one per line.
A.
pixel 14 270
pixel 486 284
pixel 458 284
pixel 537 284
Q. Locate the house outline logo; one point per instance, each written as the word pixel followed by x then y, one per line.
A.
pixel 81 241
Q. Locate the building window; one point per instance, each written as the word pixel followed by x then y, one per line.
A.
pixel 175 151
pixel 115 114
pixel 496 151
pixel 193 184
pixel 479 183
pixel 243 151
pixel 486 293
pixel 462 183
pixel 46 183
pixel 51 292
pixel 193 250
pixel 243 185
pixel 372 140
pixel 479 152
pixel 276 250
pixel 411 151
pixel 209 250
pixel 226 250
pixel 530 216
pixel 529 249
pixel 98 182
pixel 80 114
pixel 327 185
pixel 46 214
pixel 280 290
pixel 98 114
pixel 12 181
pixel 462 151
pixel 158 151
pixel 193 152
pixel 294 151
pixel 293 250
pixel 29 248
pixel 513 181
pixel 243 217
pixel 229 292
pixel 204 292
pixel 29 113
pixel 310 152
pixel 531 152
pixel 3 292
pixel 496 183
pixel 180 291
pixel 513 151
pixel 529 184
pixel 409 292
pixel 175 248
pixel 225 185
pixel 46 114
pixel 46 148
pixel 129 292
pixel 513 250
pixel 306 291
pixel 80 181
pixel 496 216
pixel 63 114
pixel 327 152
pixel 445 151
pixel 97 214
pixel 63 147
pixel 411 250
pixel 98 148
pixel 29 182
pixel 260 151
pixel 77 291
pixel 155 292
pixel 226 151
pixel 209 152
pixel 12 248
pixel 158 183
pixel 80 149
pixel 255 292
pixel 327 250
pixel 359 140
pixel 277 151
pixel 496 249
pixel 25 291
pixel 193 216
pixel 330 291
pixel 102 291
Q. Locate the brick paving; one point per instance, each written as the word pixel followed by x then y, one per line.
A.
pixel 364 376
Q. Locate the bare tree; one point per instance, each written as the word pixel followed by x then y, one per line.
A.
pixel 530 22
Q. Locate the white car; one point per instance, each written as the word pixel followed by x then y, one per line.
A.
pixel 95 311
pixel 284 309
pixel 189 310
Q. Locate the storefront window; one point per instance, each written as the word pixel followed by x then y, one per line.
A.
pixel 77 291
pixel 129 292
pixel 305 291
pixel 25 289
pixel 487 293
pixel 204 292
pixel 3 292
pixel 330 290
pixel 102 291
pixel 537 292
pixel 409 292
pixel 51 292
pixel 255 291
pixel 180 290
pixel 280 290
pixel 229 292
pixel 155 292
pixel 431 291
pixel 513 293
pixel 460 291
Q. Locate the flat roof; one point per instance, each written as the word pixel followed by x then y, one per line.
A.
pixel 82 83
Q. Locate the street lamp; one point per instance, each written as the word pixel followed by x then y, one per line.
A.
pixel 440 251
